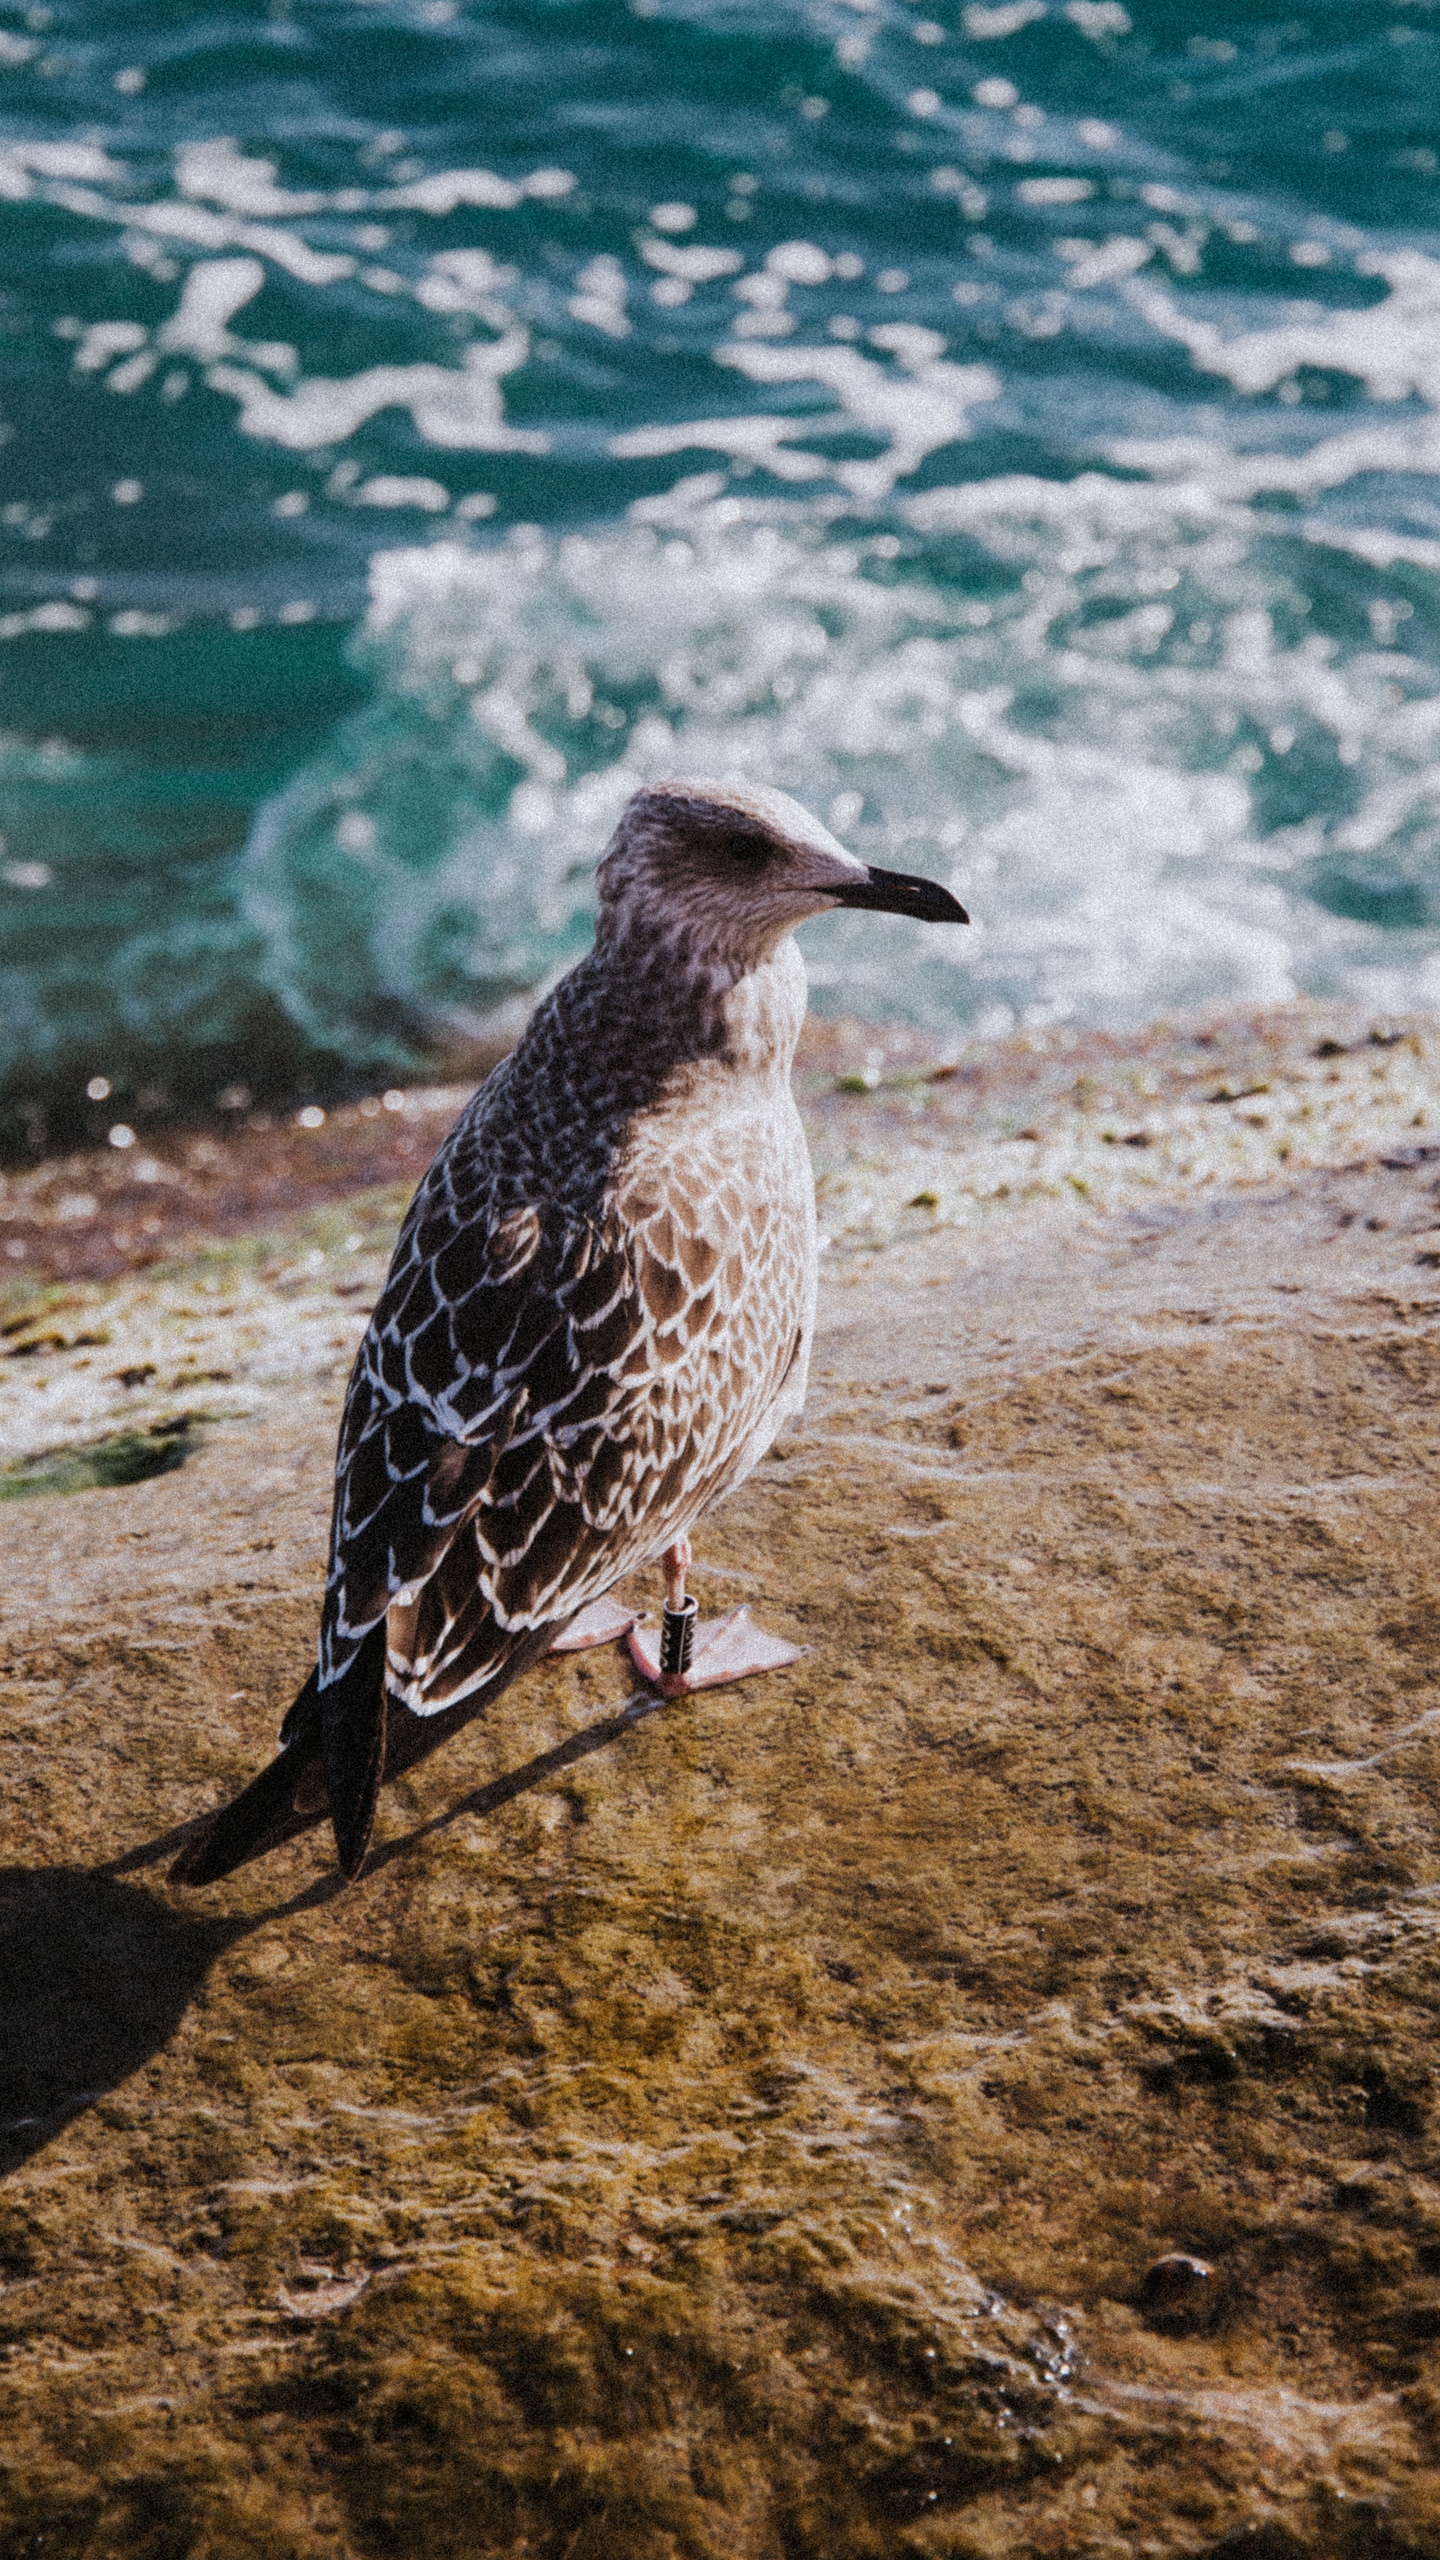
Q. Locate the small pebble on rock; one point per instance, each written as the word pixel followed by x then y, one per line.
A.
pixel 1178 2288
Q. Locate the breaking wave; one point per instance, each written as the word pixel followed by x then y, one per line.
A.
pixel 1097 708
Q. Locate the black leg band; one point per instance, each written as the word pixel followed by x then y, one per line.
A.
pixel 677 1639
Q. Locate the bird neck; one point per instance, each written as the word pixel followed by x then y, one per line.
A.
pixel 763 1013
pixel 696 1003
pixel 625 1033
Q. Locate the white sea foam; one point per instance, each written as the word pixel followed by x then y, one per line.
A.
pixel 21 163
pixel 219 173
pixel 57 616
pixel 753 437
pixel 987 25
pixel 106 339
pixel 1221 472
pixel 800 262
pixel 915 412
pixel 1094 263
pixel 1393 348
pixel 388 490
pixel 1091 787
pixel 466 280
pixel 1096 18
pixel 226 200
pixel 599 298
pixel 458 407
pixel 1053 190
pixel 1376 544
pixel 450 188
pixel 192 226
pixel 694 265
pixel 215 290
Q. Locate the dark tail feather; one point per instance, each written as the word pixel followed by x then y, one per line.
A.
pixel 353 1721
pixel 362 1743
pixel 238 1829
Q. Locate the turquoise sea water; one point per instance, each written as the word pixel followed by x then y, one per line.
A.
pixel 1013 429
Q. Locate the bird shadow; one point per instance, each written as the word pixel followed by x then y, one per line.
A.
pixel 96 1972
pixel 518 1782
pixel 95 1976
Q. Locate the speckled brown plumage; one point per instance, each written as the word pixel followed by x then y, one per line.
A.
pixel 599 1311
pixel 600 1297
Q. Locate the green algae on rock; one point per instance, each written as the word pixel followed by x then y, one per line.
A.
pixel 121 1458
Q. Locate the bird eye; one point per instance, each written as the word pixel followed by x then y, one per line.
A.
pixel 750 850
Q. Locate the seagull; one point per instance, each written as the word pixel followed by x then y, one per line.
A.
pixel 597 1320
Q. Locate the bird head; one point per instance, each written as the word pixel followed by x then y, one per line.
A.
pixel 727 871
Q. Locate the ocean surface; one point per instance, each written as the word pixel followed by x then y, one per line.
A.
pixel 1013 430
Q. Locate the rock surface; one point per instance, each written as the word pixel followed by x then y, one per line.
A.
pixel 750 2127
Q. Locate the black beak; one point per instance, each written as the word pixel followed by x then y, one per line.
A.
pixel 901 893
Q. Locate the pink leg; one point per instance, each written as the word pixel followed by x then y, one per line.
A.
pixel 675 1564
pixel 721 1649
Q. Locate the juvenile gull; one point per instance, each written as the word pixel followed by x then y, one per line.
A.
pixel 597 1319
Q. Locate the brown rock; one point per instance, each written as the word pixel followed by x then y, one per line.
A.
pixel 735 2128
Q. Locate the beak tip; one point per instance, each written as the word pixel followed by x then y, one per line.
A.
pixel 903 893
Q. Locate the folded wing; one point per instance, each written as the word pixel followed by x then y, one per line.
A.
pixel 544 1398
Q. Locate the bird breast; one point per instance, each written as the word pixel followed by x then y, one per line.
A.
pixel 715 1194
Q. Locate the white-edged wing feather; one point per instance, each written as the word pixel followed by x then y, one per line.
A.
pixel 548 1395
